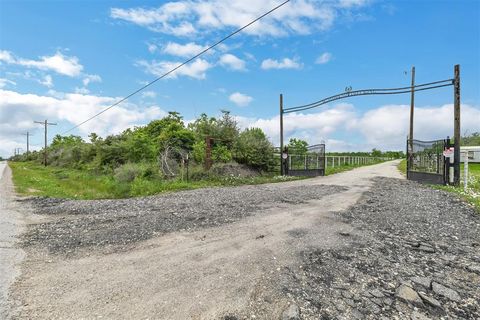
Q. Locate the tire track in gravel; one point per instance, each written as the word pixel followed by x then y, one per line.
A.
pixel 206 272
pixel 10 227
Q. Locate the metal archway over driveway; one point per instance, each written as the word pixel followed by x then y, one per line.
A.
pixel 455 82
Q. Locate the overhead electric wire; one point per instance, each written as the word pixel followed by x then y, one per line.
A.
pixel 180 65
pixel 364 92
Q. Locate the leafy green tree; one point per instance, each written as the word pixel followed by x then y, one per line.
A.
pixel 376 153
pixel 471 140
pixel 221 154
pixel 253 149
pixel 297 146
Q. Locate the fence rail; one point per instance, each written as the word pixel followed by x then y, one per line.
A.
pixel 337 161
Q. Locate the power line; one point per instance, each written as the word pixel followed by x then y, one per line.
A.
pixel 180 65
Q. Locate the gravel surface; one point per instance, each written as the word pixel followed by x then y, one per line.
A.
pixel 114 224
pixel 415 254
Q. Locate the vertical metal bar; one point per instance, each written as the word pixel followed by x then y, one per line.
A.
pixel 282 170
pixel 456 127
pixel 465 172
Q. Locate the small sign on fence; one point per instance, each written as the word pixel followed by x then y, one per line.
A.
pixel 448 152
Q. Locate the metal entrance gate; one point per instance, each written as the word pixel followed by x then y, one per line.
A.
pixel 426 162
pixel 310 164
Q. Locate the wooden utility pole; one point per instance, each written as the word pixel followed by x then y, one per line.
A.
pixel 456 126
pixel 282 171
pixel 46 124
pixel 28 143
pixel 412 110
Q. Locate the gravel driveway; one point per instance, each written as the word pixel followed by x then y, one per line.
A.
pixel 360 244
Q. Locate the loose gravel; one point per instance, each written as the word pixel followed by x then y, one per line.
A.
pixel 415 254
pixel 112 225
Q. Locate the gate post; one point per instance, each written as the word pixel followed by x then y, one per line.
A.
pixel 456 127
pixel 282 161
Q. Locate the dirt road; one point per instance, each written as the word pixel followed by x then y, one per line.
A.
pixel 10 227
pixel 222 253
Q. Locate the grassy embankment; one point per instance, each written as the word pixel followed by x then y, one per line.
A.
pixel 472 195
pixel 33 179
pixel 36 180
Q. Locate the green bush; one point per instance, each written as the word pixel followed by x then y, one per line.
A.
pixel 130 171
pixel 253 149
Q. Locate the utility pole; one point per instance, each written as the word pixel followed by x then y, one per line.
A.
pixel 412 108
pixel 28 143
pixel 456 126
pixel 46 124
pixel 282 170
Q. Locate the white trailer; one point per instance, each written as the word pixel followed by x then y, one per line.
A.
pixel 472 152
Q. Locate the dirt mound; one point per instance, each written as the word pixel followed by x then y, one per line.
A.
pixel 234 169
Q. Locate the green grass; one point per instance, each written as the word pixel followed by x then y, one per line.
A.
pixel 402 166
pixel 33 179
pixel 36 180
pixel 472 194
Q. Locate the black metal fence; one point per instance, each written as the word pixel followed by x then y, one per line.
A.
pixel 426 162
pixel 310 163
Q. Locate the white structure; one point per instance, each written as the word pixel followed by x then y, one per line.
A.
pixel 472 152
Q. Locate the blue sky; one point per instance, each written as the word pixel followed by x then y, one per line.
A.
pixel 67 60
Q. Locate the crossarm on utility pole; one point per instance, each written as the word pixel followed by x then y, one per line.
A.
pixel 46 124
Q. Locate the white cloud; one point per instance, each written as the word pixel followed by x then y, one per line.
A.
pixel 59 63
pixel 190 17
pixel 4 82
pixel 286 63
pixel 196 69
pixel 17 112
pixel 152 47
pixel 324 58
pixel 47 81
pixel 149 94
pixel 187 50
pixel 240 99
pixel 91 78
pixel 232 62
pixel 352 3
pixel 6 56
pixel 82 90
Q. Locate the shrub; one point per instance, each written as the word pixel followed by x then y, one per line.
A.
pixel 253 149
pixel 130 171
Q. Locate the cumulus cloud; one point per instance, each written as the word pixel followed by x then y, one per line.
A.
pixel 232 62
pixel 240 99
pixel 47 81
pixel 17 112
pixel 196 69
pixel 59 63
pixel 286 63
pixel 183 50
pixel 187 17
pixel 324 58
pixel 89 78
